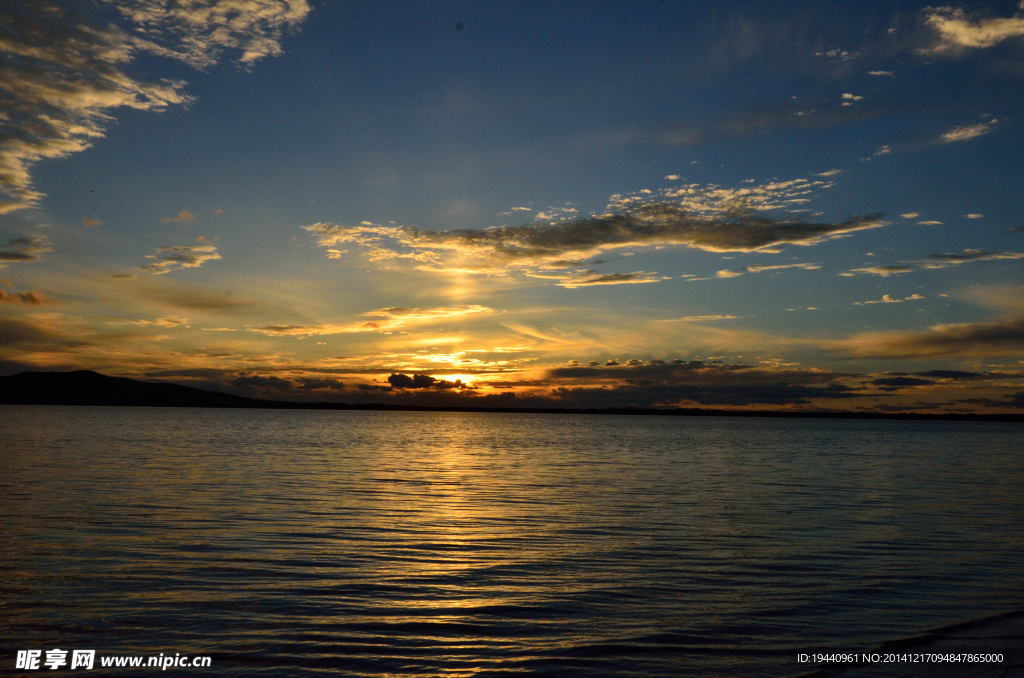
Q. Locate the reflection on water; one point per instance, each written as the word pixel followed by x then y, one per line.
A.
pixel 454 544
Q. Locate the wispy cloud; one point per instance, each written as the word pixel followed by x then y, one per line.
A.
pixel 62 76
pixel 168 321
pixel 709 218
pixel 963 340
pixel 171 257
pixel 968 132
pixel 935 261
pixel 698 318
pixel 24 248
pixel 758 268
pixel 199 32
pixel 888 299
pixel 588 277
pixel 383 319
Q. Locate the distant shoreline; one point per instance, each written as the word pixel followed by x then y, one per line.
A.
pixel 91 388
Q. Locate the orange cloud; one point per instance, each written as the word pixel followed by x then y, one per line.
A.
pixel 30 298
pixel 91 221
pixel 184 217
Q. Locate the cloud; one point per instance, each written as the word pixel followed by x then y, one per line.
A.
pixel 813 116
pixel 929 223
pixel 62 76
pixel 124 276
pixel 935 261
pixel 404 381
pixel 957 375
pixel 1010 400
pixel 944 260
pixel 1015 229
pixel 967 132
pixel 191 298
pixel 837 55
pixel 199 32
pixel 910 215
pixel 169 321
pixel 91 221
pixel 896 383
pixel 758 268
pixel 383 319
pixel 589 277
pixel 24 248
pixel 698 318
pixel 170 257
pixel 709 218
pixel 888 299
pixel 184 217
pixel 657 383
pixel 883 271
pixel 889 74
pixel 883 150
pixel 963 340
pixel 955 31
pixel 973 216
pixel 29 298
pixel 33 335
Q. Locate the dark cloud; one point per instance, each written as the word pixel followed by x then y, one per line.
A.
pixel 1012 400
pixel 954 374
pixel 896 383
pixel 970 255
pixel 171 257
pixel 653 224
pixel 31 336
pixel 262 382
pixel 373 387
pixel 25 247
pixel 404 381
pixel 657 383
pixel 964 340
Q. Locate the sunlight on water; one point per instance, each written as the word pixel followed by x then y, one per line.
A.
pixel 373 544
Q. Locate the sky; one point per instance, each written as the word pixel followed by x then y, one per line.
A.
pixel 605 204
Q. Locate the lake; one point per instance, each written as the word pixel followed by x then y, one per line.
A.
pixel 294 543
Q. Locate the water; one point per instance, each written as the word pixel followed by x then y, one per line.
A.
pixel 291 543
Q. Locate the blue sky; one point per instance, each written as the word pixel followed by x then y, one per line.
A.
pixel 644 203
